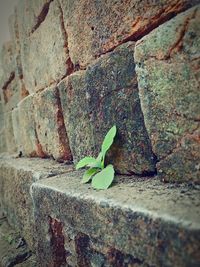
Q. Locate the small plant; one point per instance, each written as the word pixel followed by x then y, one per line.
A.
pixel 100 175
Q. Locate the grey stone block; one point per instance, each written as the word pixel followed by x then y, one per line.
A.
pixel 16 177
pixel 44 52
pixel 168 75
pixel 49 124
pixel 96 99
pixel 139 223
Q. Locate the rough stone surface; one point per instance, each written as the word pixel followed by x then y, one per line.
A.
pixel 107 24
pixel 27 129
pixel 7 59
pixel 141 223
pixel 16 177
pixel 8 81
pixel 13 248
pixel 9 133
pixel 31 15
pixel 50 126
pixel 44 52
pixel 14 33
pixel 168 75
pixel 2 129
pixel 3 147
pixel 16 130
pixel 96 99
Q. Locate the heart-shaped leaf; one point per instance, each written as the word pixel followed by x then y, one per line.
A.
pixel 84 162
pixel 108 140
pixel 103 179
pixel 88 175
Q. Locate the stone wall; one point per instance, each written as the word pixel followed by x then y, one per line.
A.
pixel 74 68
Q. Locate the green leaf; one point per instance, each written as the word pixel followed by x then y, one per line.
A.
pixel 84 162
pixel 103 179
pixel 97 163
pixel 88 175
pixel 99 157
pixel 108 140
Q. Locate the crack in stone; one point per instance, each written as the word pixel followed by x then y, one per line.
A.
pixel 62 133
pixel 10 79
pixel 41 17
pixel 178 44
pixel 39 149
pixel 69 63
pixel 6 84
pixel 156 21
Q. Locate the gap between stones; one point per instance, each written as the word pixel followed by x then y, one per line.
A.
pixel 41 17
pixel 62 132
pixel 6 84
pixel 157 21
pixel 69 63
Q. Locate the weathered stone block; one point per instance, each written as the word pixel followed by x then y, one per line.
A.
pixel 11 83
pixel 9 133
pixel 3 147
pixel 7 59
pixel 134 224
pixel 14 32
pixel 2 129
pixel 27 128
pixel 10 93
pixel 13 247
pixel 16 177
pixel 44 52
pixel 50 126
pixel 96 99
pixel 17 130
pixel 10 86
pixel 31 15
pixel 107 24
pixel 168 75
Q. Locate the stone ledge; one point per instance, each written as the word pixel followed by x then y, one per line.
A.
pixel 16 177
pixel 13 248
pixel 137 222
pixel 142 222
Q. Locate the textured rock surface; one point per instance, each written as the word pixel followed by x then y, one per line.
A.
pixel 9 133
pixel 16 177
pixel 9 84
pixel 169 75
pixel 27 130
pixel 44 52
pixel 2 129
pixel 106 24
pixel 13 248
pixel 145 223
pixel 50 126
pixel 96 99
pixel 31 15
pixel 14 33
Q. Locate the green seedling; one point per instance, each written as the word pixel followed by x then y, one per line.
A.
pixel 100 175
